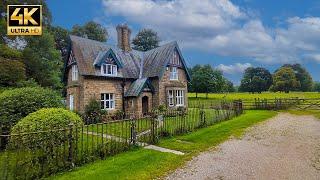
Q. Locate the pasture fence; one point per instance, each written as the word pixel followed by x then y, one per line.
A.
pixel 34 155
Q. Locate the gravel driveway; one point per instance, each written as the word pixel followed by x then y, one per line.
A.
pixel 284 147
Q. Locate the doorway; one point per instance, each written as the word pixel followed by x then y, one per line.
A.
pixel 145 105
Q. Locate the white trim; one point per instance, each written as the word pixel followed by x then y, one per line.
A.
pixel 75 73
pixel 107 99
pixel 71 102
pixel 174 73
pixel 179 98
pixel 109 70
pixel 170 98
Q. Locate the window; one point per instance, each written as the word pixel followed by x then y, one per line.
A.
pixel 71 101
pixel 107 101
pixel 173 73
pixel 170 98
pixel 179 98
pixel 109 69
pixel 74 75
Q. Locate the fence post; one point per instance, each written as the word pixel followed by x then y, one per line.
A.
pixel 133 133
pixel 70 140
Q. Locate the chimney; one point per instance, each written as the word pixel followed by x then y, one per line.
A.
pixel 124 33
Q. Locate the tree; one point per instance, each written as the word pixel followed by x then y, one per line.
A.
pixel 91 30
pixel 43 62
pixel 284 80
pixel 145 40
pixel 12 72
pixel 62 40
pixel 302 76
pixel 316 87
pixel 228 86
pixel 256 80
pixel 205 79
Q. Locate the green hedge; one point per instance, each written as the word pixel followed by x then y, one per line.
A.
pixel 18 103
pixel 52 124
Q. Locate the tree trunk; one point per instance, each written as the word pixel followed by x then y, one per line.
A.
pixel 196 94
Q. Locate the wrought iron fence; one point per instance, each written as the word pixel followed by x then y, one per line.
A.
pixel 42 153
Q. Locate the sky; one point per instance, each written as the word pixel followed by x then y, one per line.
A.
pixel 231 35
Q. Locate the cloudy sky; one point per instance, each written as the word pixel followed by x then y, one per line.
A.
pixel 231 35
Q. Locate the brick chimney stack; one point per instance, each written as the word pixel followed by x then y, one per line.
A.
pixel 124 33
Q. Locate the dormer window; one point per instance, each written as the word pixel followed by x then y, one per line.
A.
pixel 74 73
pixel 173 73
pixel 109 69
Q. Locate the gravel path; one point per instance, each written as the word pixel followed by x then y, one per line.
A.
pixel 284 147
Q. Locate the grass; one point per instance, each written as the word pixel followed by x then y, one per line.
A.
pixel 264 95
pixel 315 113
pixel 149 164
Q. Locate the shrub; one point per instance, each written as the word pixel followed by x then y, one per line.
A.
pixel 51 120
pixel 45 139
pixel 93 113
pixel 11 72
pixel 18 103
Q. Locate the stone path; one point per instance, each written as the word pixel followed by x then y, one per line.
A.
pixel 284 147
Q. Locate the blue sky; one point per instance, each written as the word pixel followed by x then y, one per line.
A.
pixel 231 35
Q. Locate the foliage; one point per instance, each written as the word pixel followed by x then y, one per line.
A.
pixel 91 30
pixel 284 80
pixel 43 62
pixel 256 80
pixel 62 40
pixel 302 76
pixel 11 72
pixel 18 103
pixel 316 86
pixel 228 86
pixel 9 53
pixel 3 29
pixel 205 79
pixel 46 119
pixel 93 113
pixel 145 40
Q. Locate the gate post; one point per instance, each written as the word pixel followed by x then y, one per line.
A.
pixel 133 133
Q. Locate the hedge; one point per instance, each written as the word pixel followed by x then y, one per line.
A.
pixel 18 103
pixel 52 123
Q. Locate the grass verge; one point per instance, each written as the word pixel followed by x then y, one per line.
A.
pixel 315 113
pixel 149 164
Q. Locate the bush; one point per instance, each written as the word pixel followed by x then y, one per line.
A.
pixel 45 139
pixel 11 72
pixel 18 103
pixel 49 120
pixel 93 113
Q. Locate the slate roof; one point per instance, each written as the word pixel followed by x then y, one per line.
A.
pixel 134 64
pixel 136 87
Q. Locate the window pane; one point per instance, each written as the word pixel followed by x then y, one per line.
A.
pixel 111 96
pixel 102 105
pixel 111 104
pixel 107 104
pixel 109 69
pixel 102 96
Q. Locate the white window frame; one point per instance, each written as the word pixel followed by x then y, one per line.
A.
pixel 113 70
pixel 75 73
pixel 71 102
pixel 107 98
pixel 179 98
pixel 174 73
pixel 170 98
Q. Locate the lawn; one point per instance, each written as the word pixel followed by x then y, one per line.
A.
pixel 149 164
pixel 247 96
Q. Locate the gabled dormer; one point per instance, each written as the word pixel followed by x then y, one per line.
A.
pixel 72 65
pixel 108 63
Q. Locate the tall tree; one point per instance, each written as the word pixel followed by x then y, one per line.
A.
pixel 303 76
pixel 228 86
pixel 145 40
pixel 43 62
pixel 91 30
pixel 256 80
pixel 62 40
pixel 205 79
pixel 316 87
pixel 284 80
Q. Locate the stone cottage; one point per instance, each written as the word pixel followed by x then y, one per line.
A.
pixel 125 79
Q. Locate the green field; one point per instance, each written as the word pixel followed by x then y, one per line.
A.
pixel 149 164
pixel 264 95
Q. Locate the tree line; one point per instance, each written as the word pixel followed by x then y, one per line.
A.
pixel 39 60
pixel 289 77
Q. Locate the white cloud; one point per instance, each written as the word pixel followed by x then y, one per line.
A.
pixel 223 28
pixel 237 68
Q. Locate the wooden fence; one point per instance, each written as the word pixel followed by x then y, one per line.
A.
pixel 40 154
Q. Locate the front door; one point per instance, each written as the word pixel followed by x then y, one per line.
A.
pixel 145 105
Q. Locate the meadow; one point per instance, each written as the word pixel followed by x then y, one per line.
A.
pixel 248 96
